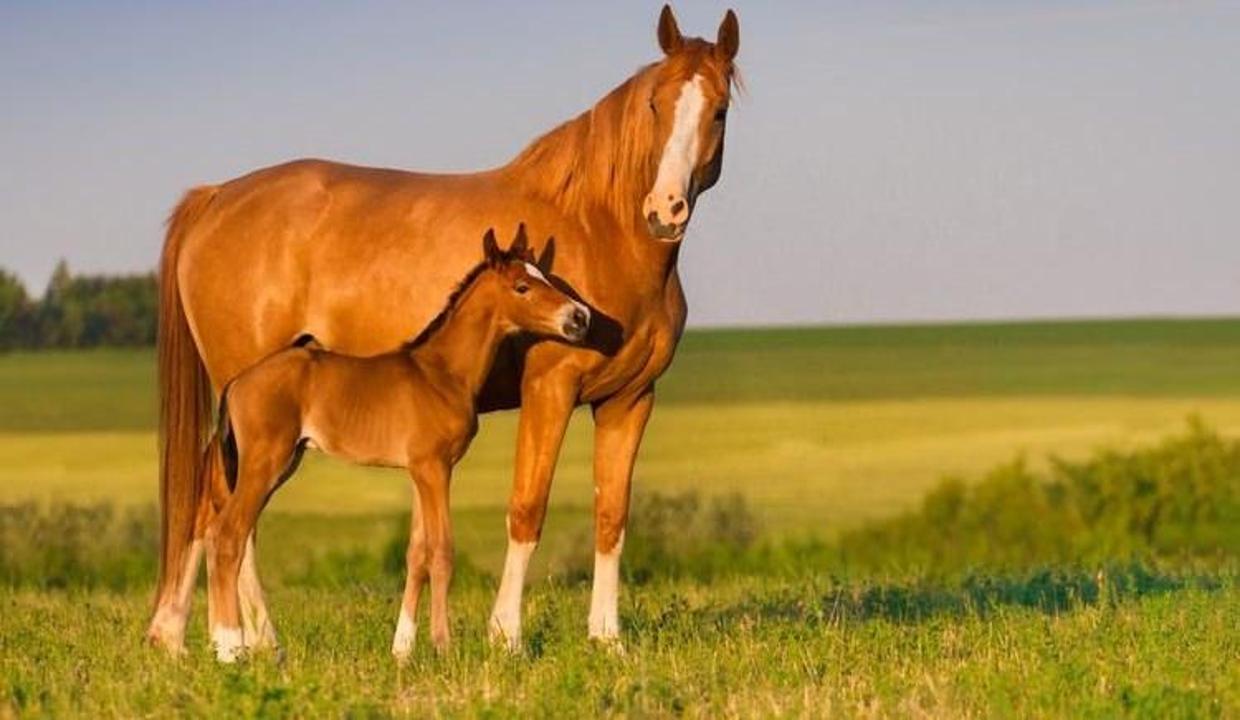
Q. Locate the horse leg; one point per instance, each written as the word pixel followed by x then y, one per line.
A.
pixel 173 610
pixel 618 426
pixel 167 627
pixel 226 540
pixel 256 628
pixel 546 406
pixel 432 479
pixel 416 574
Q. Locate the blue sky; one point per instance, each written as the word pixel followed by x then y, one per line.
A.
pixel 890 161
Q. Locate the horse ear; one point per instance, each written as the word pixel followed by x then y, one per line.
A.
pixel 729 38
pixel 547 258
pixel 520 245
pixel 670 38
pixel 490 249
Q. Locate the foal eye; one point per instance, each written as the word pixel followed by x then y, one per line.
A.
pixel 522 289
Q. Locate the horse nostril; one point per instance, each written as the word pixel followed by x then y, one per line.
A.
pixel 680 205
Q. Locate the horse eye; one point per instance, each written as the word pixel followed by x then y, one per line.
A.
pixel 652 107
pixel 721 114
pixel 522 289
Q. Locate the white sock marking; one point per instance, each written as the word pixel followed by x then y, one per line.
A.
pixel 406 633
pixel 228 643
pixel 605 595
pixel 506 617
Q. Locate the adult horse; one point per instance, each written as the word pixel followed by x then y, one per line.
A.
pixel 362 258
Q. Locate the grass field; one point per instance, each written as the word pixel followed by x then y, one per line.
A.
pixel 735 649
pixel 822 430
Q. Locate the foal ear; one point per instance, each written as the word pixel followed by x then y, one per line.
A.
pixel 670 38
pixel 520 245
pixel 547 258
pixel 729 38
pixel 490 249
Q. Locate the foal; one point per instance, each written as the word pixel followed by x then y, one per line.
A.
pixel 410 408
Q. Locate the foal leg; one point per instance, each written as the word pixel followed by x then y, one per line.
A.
pixel 259 471
pixel 618 426
pixel 416 574
pixel 432 480
pixel 547 405
pixel 257 630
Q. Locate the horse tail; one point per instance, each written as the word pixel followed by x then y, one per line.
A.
pixel 184 402
pixel 228 441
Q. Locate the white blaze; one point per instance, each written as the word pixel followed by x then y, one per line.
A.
pixel 681 151
pixel 532 270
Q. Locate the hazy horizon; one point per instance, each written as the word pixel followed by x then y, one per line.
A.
pixel 892 162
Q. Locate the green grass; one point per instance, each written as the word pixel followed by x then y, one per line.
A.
pixel 822 430
pixel 114 389
pixel 740 649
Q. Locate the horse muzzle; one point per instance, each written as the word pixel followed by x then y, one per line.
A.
pixel 668 232
pixel 575 323
pixel 668 220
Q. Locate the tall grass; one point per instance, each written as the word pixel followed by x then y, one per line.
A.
pixel 1175 502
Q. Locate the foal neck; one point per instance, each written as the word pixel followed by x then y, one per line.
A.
pixel 464 346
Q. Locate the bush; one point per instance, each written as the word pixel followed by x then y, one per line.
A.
pixel 70 546
pixel 677 535
pixel 1177 500
pixel 384 567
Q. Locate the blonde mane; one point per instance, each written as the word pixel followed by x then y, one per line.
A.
pixel 606 158
pixel 603 157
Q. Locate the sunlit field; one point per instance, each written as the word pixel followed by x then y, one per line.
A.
pixel 819 432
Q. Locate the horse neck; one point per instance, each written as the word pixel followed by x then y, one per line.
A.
pixel 464 346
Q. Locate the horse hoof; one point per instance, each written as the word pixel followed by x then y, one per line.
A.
pixel 510 641
pixel 611 644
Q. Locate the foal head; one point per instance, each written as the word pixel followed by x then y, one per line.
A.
pixel 524 300
pixel 688 105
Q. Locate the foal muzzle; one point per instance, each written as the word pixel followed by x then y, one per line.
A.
pixel 576 323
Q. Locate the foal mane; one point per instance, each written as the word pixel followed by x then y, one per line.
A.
pixel 454 299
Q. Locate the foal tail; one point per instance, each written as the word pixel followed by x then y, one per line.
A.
pixel 184 403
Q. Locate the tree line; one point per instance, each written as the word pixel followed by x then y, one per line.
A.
pixel 78 311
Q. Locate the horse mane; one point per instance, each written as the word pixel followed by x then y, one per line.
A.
pixel 604 156
pixel 454 298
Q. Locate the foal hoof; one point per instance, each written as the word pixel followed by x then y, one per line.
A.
pixel 228 644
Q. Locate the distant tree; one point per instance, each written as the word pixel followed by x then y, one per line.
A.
pixel 15 312
pixel 79 311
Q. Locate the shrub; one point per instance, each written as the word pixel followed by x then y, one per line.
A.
pixel 68 545
pixel 1177 499
pixel 677 535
